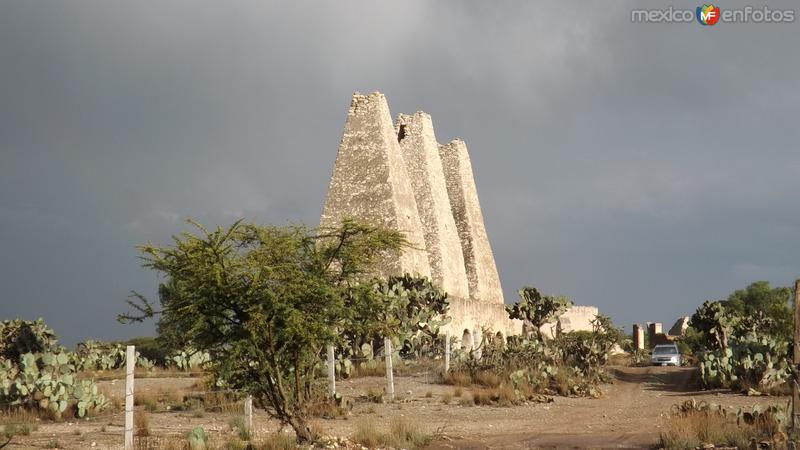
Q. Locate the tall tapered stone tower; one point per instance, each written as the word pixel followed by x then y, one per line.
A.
pixel 400 177
pixel 484 282
pixel 370 182
pixel 421 156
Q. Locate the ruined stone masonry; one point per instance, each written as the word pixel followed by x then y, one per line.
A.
pixel 421 155
pixel 370 182
pixel 400 177
pixel 484 283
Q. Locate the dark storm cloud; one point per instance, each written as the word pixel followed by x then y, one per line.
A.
pixel 639 167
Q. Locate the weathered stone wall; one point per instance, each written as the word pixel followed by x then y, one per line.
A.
pixel 370 182
pixel 421 157
pixel 471 318
pixel 484 282
pixel 577 318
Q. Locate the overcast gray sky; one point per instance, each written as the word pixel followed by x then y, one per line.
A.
pixel 642 168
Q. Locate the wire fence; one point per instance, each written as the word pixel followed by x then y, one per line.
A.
pixel 148 412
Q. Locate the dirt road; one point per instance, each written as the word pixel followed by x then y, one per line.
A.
pixel 629 415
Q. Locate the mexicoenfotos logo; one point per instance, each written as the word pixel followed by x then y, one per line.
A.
pixel 707 14
pixel 710 15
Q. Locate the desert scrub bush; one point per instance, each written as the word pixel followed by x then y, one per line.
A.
pixel 693 424
pixel 572 364
pixel 447 398
pixel 277 441
pixel 236 423
pixel 401 433
pixel 141 423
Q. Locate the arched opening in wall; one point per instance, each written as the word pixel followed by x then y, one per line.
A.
pixel 401 133
pixel 466 341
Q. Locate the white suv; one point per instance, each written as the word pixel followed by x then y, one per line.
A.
pixel 666 355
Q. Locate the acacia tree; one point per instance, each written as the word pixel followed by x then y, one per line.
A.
pixel 264 301
pixel 537 310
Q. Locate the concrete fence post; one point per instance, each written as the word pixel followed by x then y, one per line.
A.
pixel 638 337
pixel 446 352
pixel 130 364
pixel 796 359
pixel 248 415
pixel 387 348
pixel 331 372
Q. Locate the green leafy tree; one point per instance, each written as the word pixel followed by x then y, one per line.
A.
pixel 264 301
pixel 766 308
pixel 537 310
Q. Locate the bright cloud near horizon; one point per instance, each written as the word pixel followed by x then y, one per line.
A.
pixel 642 168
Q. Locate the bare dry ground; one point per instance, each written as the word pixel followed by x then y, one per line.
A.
pixel 629 415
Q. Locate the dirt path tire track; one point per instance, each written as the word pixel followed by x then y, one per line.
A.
pixel 629 415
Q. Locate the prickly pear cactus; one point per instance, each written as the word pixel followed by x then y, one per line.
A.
pixel 46 378
pixel 188 359
pixel 197 439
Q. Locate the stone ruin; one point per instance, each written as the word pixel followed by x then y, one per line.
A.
pixel 396 174
pixel 577 318
pixel 655 334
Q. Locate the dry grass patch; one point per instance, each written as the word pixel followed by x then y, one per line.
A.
pixel 402 433
pixel 447 398
pixel 694 425
pixel 141 423
pixel 457 378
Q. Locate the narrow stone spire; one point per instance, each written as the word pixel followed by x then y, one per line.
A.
pixel 484 283
pixel 424 166
pixel 370 182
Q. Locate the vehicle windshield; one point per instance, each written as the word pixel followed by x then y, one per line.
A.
pixel 665 351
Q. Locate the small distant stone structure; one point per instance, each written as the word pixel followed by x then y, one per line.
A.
pixel 638 337
pixel 655 334
pixel 576 318
pixel 680 327
pixel 399 176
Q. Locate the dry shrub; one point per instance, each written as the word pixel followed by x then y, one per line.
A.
pixel 236 423
pixel 402 433
pixel 154 443
pixel 141 423
pixel 562 382
pixel 457 392
pixel 277 441
pixel 482 397
pixel 20 415
pixel 378 370
pixel 693 430
pixel 693 425
pixel 375 395
pixel 326 409
pixel 158 400
pixel 405 434
pixel 366 434
pixel 488 378
pixel 466 401
pixel 18 429
pixel 447 398
pixel 620 359
pixel 506 396
pixel 146 398
pixel 457 378
pixel 224 402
